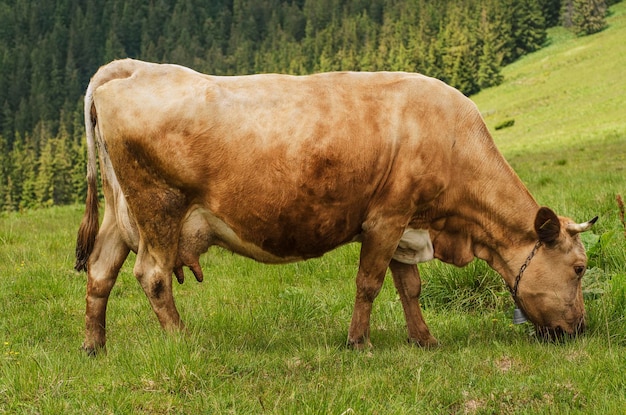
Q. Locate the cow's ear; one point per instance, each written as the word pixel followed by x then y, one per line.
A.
pixel 547 225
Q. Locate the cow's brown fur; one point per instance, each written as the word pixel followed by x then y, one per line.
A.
pixel 283 168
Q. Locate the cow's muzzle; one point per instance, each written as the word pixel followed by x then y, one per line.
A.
pixel 559 334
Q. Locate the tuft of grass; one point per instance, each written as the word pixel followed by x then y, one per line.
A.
pixel 474 288
pixel 504 124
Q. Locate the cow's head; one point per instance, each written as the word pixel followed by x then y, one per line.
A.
pixel 549 290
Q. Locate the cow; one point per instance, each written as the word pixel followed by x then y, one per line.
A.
pixel 282 168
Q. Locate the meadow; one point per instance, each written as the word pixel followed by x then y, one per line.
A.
pixel 271 339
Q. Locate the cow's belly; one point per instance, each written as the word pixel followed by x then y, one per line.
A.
pixel 202 229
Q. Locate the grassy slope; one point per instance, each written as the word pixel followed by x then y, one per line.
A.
pixel 570 92
pixel 270 338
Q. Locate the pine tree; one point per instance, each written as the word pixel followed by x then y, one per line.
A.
pixel 43 186
pixel 21 179
pixel 460 57
pixel 7 122
pixel 77 172
pixel 4 169
pixel 488 67
pixel 432 63
pixel 462 72
pixel 551 10
pixel 527 26
pixel 491 53
pixel 113 48
pixel 584 17
pixel 53 183
pixel 8 203
pixel 14 177
pixel 62 167
pixel 28 197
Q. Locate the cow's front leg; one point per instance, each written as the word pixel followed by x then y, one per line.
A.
pixel 154 273
pixel 407 280
pixel 376 252
pixel 367 288
pixel 109 253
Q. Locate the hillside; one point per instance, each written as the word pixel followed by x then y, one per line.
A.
pixel 568 93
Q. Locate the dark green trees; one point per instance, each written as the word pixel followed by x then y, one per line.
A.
pixel 584 17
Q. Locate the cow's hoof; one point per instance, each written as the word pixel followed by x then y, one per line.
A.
pixel 360 344
pixel 93 351
pixel 429 343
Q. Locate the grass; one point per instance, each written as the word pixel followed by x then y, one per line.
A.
pixel 270 339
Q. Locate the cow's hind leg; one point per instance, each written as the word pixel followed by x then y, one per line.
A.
pixel 159 210
pixel 376 252
pixel 407 280
pixel 110 252
pixel 154 273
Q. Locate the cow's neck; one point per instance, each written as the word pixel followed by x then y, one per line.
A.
pixel 487 212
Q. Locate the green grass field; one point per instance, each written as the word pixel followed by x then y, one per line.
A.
pixel 271 339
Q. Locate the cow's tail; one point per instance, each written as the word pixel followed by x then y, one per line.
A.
pixel 88 230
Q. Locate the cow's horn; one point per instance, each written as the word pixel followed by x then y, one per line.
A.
pixel 574 228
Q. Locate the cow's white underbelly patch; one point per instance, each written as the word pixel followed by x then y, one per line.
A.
pixel 415 246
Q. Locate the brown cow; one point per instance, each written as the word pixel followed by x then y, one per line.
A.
pixel 284 168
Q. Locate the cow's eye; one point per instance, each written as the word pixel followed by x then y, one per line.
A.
pixel 579 270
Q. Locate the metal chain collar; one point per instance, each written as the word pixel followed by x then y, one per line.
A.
pixel 523 268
